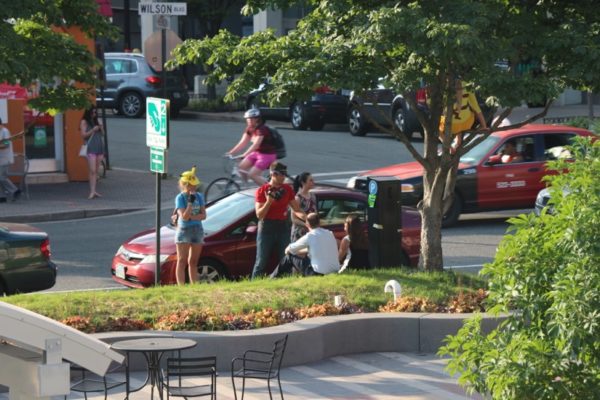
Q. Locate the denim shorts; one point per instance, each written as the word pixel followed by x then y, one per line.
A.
pixel 190 234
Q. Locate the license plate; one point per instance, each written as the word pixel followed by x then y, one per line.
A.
pixel 120 271
pixel 176 95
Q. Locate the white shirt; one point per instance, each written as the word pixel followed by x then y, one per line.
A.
pixel 322 250
pixel 6 154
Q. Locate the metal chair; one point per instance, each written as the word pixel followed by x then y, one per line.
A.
pixel 20 168
pixel 179 368
pixel 89 382
pixel 259 365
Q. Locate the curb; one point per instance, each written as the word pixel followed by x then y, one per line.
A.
pixel 316 339
pixel 67 215
pixel 207 116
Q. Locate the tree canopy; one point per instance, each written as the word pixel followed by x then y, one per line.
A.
pixel 36 49
pixel 405 45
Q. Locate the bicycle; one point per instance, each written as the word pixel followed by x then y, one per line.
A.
pixel 226 185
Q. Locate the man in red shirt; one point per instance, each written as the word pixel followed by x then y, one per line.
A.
pixel 273 199
pixel 261 152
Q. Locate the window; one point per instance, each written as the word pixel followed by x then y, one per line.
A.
pixel 119 66
pixel 335 211
pixel 554 145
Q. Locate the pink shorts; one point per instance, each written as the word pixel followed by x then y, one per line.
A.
pixel 94 157
pixel 261 160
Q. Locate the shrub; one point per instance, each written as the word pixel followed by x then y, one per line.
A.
pixel 548 270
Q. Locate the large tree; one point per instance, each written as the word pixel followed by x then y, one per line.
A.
pixel 354 44
pixel 36 50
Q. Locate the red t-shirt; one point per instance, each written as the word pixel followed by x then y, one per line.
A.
pixel 266 146
pixel 279 208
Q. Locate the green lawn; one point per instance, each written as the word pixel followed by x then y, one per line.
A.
pixel 361 288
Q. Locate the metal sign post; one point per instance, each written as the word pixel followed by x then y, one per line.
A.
pixel 157 113
pixel 157 139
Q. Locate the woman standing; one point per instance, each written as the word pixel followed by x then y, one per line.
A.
pixel 354 247
pixel 93 134
pixel 303 184
pixel 190 233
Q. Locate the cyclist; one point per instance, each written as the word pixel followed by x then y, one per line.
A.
pixel 261 152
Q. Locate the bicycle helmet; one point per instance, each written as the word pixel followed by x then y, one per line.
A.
pixel 252 113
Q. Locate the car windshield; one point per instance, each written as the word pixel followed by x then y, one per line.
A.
pixel 226 211
pixel 474 155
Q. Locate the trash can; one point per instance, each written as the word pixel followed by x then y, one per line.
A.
pixel 384 213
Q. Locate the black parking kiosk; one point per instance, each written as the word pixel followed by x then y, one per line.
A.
pixel 384 214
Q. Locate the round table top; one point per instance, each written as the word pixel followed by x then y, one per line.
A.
pixel 153 344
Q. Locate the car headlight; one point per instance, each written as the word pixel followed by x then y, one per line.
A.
pixel 151 258
pixel 351 182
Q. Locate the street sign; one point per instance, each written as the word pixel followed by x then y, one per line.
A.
pixel 157 123
pixel 162 8
pixel 158 158
pixel 153 48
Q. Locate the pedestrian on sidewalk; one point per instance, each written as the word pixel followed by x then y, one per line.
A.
pixel 92 133
pixel 189 237
pixel 7 157
pixel 315 253
pixel 272 202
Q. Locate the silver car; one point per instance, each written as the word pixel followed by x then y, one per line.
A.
pixel 129 80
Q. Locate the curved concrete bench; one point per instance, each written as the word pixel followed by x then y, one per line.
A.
pixel 319 338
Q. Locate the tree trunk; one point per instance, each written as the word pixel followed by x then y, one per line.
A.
pixel 431 226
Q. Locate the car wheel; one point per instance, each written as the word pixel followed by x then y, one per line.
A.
pixel 3 291
pixel 210 271
pixel 175 112
pixel 356 122
pixel 453 213
pixel 400 122
pixel 297 117
pixel 317 125
pixel 131 105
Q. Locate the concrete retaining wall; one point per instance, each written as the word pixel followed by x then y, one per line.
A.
pixel 323 337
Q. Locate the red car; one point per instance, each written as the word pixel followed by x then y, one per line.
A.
pixel 230 242
pixel 484 182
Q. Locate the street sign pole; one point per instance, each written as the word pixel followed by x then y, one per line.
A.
pixel 157 139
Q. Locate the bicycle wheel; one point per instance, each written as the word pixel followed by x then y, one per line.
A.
pixel 220 187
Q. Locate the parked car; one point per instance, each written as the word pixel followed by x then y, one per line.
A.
pixel 25 264
pixel 230 242
pixel 383 105
pixel 482 184
pixel 325 106
pixel 130 79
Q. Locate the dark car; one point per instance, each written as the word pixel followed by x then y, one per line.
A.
pixel 130 79
pixel 25 264
pixel 325 106
pixel 483 183
pixel 230 238
pixel 383 105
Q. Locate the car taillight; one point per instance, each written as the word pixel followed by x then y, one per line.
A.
pixel 153 80
pixel 45 248
pixel 421 96
pixel 323 90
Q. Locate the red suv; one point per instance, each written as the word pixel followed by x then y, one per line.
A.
pixel 484 182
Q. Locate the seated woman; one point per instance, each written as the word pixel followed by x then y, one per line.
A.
pixel 354 247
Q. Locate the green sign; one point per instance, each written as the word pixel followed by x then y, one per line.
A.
pixel 158 160
pixel 40 139
pixel 157 123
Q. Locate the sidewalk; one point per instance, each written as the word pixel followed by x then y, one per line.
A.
pixel 59 201
pixel 368 376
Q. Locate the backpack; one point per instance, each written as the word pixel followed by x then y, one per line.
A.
pixel 277 142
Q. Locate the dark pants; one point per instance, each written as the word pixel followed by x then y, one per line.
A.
pixel 273 235
pixel 291 263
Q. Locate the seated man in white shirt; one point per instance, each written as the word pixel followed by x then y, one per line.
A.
pixel 315 253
